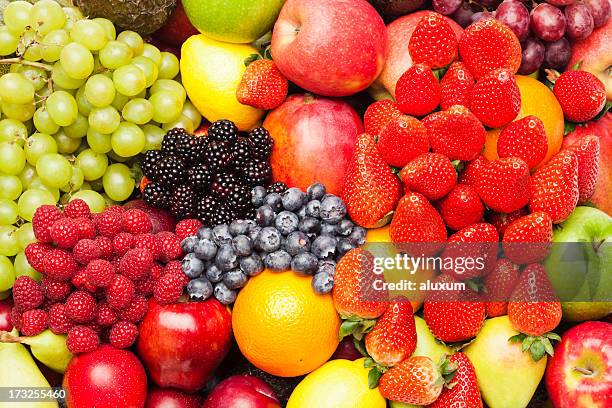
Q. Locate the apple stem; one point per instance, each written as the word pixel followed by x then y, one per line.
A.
pixel 584 371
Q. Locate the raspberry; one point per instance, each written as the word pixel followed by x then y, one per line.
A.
pixel 59 322
pixel 79 280
pixel 33 322
pixel 136 222
pixel 106 247
pixel 150 242
pixel 35 254
pixel 81 307
pixel 186 228
pixel 115 209
pixel 175 268
pixel 82 339
pixel 168 289
pixel 86 227
pixel 123 334
pixel 136 263
pixel 55 291
pixel 120 292
pixel 77 208
pixel 135 311
pixel 59 265
pixel 122 243
pixel 99 272
pixel 43 219
pixel 157 270
pixel 145 286
pixel 108 224
pixel 65 233
pixel 85 251
pixel 106 315
pixel 171 246
pixel 27 294
pixel 15 318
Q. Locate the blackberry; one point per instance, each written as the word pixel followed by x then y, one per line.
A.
pixel 241 152
pixel 223 130
pixel 172 139
pixel 156 195
pixel 256 172
pixel 218 155
pixel 148 163
pixel 279 188
pixel 192 148
pixel 170 171
pixel 211 211
pixel 224 185
pixel 200 177
pixel 261 143
pixel 182 202
pixel 240 200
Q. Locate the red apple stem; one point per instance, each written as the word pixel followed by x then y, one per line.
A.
pixel 584 371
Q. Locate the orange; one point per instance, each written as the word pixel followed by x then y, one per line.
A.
pixel 538 100
pixel 282 326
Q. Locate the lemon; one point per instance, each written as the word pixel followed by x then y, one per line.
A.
pixel 211 71
pixel 337 384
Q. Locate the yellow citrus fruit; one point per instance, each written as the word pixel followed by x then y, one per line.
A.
pixel 538 100
pixel 211 71
pixel 282 326
pixel 337 384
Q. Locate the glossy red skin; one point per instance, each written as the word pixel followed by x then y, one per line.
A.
pixel 182 344
pixel 5 311
pixel 177 29
pixel 169 398
pixel 242 391
pixel 346 350
pixel 587 341
pixel 107 377
pixel 314 140
pixel 160 219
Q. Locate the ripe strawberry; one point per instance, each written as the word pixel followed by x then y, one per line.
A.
pixel 461 207
pixel 524 138
pixel 120 292
pixel 378 115
pixel 499 285
pixel 85 251
pixel 528 239
pixel 262 86
pixel 86 227
pixel 581 95
pixel 476 241
pixel 433 41
pixel 168 289
pixel 77 208
pixel 107 316
pixel 495 99
pixel 416 380
pixel 186 228
pixel 123 334
pixel 81 307
pixel 470 173
pixel 35 253
pixel 371 191
pixel 59 265
pixel 431 174
pixel 55 291
pixel 554 186
pixel 586 150
pixel 403 139
pixel 455 133
pixel 64 233
pixel 33 322
pixel 456 85
pixel 82 339
pixel 489 44
pixel 503 184
pixel 417 91
pixel 43 219
pixel 99 272
pixel 502 221
pixel 462 391
pixel 417 226
pixel 108 223
pixel 136 221
pixel 59 322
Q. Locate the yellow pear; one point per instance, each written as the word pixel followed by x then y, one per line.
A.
pixel 427 344
pixel 47 347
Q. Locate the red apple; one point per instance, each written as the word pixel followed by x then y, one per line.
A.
pixel 169 398
pixel 177 29
pixel 346 350
pixel 314 140
pixel 182 344
pixel 579 374
pixel 330 47
pixel 107 377
pixel 5 314
pixel 242 391
pixel 162 220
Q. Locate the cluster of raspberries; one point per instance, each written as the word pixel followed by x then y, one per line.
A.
pixel 99 270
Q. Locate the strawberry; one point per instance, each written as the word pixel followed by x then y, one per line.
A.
pixel 378 115
pixel 499 285
pixel 433 41
pixel 431 174
pixel 470 173
pixel 456 85
pixel 462 391
pixel 528 239
pixel 476 241
pixel 534 311
pixel 489 44
pixel 503 184
pixel 417 91
pixel 495 99
pixel 456 133
pixel 524 138
pixel 586 150
pixel 262 85
pixel 371 191
pixel 554 186
pixel 403 139
pixel 461 207
pixel 501 221
pixel 581 95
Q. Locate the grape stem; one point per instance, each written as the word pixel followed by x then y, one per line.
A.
pixel 19 60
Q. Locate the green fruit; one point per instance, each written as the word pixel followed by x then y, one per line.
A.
pixel 427 344
pixel 48 348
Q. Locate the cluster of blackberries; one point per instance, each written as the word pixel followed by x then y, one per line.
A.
pixel 208 177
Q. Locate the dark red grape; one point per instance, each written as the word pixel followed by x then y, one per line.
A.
pixel 547 22
pixel 490 4
pixel 515 15
pixel 446 7
pixel 533 56
pixel 558 53
pixel 579 21
pixel 560 2
pixel 463 15
pixel 481 15
pixel 600 10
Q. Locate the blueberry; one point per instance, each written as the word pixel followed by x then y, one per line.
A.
pixel 243 246
pixel 226 258
pixel 250 225
pixel 309 225
pixel 199 289
pixel 327 266
pixel 286 222
pixel 305 262
pixel 214 274
pixel 313 208
pixel 205 249
pixel 192 266
pixel 324 247
pixel 264 215
pixel 274 200
pixel 205 233
pixel 333 209
pixel 188 244
pixel 293 199
pixel 316 191
pixel 343 246
pixel 278 261
pixel 257 196
pixel 301 213
pixel 251 265
pixel 358 235
pixel 239 227
pixel 322 283
pixel 224 294
pixel 235 279
pixel 254 232
pixel 268 239
pixel 296 242
pixel 328 229
pixel 344 227
pixel 221 234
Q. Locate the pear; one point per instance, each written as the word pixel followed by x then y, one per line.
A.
pixel 507 377
pixel 427 344
pixel 48 348
pixel 18 370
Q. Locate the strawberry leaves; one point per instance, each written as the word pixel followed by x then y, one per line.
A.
pixel 537 346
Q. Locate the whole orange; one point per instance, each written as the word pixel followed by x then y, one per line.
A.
pixel 282 326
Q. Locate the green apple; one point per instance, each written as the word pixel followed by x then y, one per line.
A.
pixel 235 21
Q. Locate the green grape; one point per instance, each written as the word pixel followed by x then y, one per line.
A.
pixel 118 182
pixel 90 34
pixel 29 47
pixel 62 79
pixel 142 94
pixel 26 176
pixel 120 101
pixel 15 89
pixel 98 142
pixel 92 164
pixel 23 268
pixel 65 144
pixel 100 90
pixel 10 187
pixel 138 111
pixel 8 41
pixel 166 106
pixel 37 145
pixel 153 53
pixel 35 75
pixel 54 169
pixel 153 136
pixel 12 158
pixel 12 130
pixel 25 234
pixel 38 184
pixel 182 122
pixel 108 26
pixel 76 180
pixel 192 113
pixel 82 103
pixel 73 14
pixel 104 120
pixel 47 15
pixel 8 212
pixel 62 108
pixel 94 200
pixel 109 201
pixel 7 274
pixel 115 54
pixel 43 121
pixel 148 67
pixel 96 185
pixel 128 140
pixel 129 80
pixel 78 129
pixel 17 16
pixel 53 43
pixel 169 85
pixel 22 113
pixel 77 61
pixel 133 40
pixel 9 246
pixel 169 66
